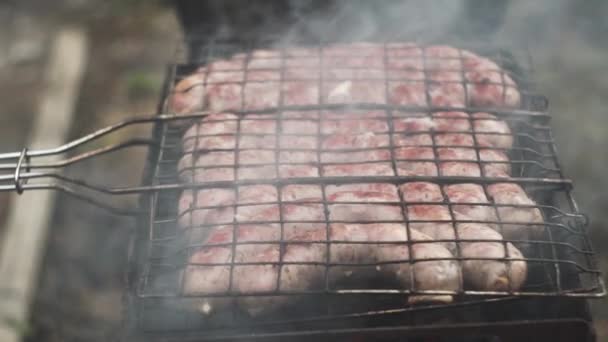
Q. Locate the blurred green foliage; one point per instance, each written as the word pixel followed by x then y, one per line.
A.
pixel 141 84
pixel 21 328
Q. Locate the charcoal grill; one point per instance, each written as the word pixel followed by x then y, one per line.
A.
pixel 551 306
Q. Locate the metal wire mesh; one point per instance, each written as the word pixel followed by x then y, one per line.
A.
pixel 559 258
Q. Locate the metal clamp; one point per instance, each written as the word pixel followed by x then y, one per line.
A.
pixel 17 179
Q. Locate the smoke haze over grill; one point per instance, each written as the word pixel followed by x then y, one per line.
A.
pixel 86 259
pixel 343 20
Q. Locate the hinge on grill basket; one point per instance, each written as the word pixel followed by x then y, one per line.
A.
pixel 18 174
pixel 18 181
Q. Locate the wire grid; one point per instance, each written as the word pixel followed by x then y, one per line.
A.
pixel 561 262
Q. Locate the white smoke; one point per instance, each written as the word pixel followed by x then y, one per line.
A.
pixel 366 20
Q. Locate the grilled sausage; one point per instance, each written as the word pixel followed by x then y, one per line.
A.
pixel 513 213
pixel 187 97
pixel 293 257
pixel 491 132
pixel 521 217
pixel 303 269
pixel 483 270
pixel 350 146
pixel 241 83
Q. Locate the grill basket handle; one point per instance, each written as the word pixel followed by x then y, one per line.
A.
pixel 42 169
